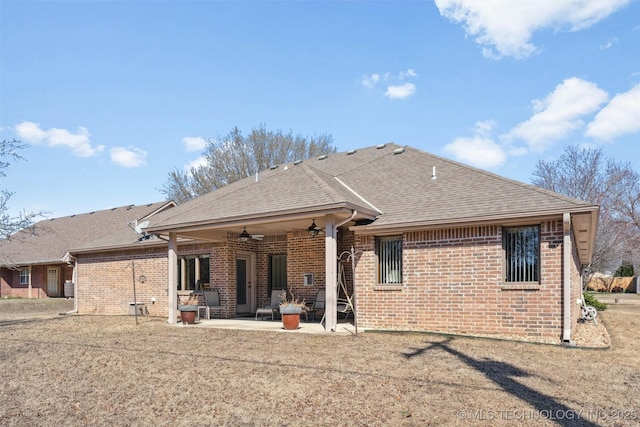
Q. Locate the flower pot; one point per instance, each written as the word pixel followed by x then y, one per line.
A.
pixel 188 313
pixel 291 322
pixel 290 316
pixel 290 309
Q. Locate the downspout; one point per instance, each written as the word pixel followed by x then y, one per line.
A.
pixel 172 286
pixel 566 277
pixel 74 278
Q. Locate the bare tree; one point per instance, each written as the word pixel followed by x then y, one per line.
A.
pixel 235 156
pixel 10 224
pixel 585 174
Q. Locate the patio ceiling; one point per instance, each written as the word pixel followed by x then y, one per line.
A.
pixel 266 226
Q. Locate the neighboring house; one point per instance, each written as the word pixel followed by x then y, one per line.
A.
pixel 439 246
pixel 35 262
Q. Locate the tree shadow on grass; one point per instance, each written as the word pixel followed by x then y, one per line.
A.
pixel 503 375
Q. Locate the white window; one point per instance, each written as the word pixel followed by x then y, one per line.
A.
pixel 24 275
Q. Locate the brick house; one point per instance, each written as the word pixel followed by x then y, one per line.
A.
pixel 35 262
pixel 439 246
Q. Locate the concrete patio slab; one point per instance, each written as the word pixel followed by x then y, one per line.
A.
pixel 250 324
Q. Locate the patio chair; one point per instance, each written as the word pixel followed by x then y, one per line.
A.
pixel 213 304
pixel 273 306
pixel 318 305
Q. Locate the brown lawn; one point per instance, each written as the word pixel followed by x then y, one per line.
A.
pixel 106 371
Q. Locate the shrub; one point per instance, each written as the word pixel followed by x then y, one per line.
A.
pixel 625 270
pixel 593 302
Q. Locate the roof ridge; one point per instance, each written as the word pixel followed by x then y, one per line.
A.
pixel 324 184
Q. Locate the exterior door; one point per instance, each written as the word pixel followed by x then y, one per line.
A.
pixel 245 298
pixel 52 282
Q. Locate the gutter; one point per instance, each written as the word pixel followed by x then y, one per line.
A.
pixel 566 277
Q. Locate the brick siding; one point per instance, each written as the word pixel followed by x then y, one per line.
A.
pixel 453 282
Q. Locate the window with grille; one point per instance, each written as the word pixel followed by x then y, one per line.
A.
pixel 522 253
pixel 389 253
pixel 24 275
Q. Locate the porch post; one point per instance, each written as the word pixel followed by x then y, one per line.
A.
pixel 331 254
pixel 172 285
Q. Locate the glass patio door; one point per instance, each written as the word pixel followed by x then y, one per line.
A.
pixel 52 282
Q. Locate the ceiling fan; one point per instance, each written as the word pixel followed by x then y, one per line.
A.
pixel 245 236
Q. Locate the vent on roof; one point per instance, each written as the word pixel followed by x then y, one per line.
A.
pixel 398 150
pixel 91 213
pixel 130 206
pixel 324 156
pixel 380 146
pixel 350 152
pixel 113 209
pixel 297 162
pixel 273 167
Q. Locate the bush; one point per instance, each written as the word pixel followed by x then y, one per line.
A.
pixel 625 270
pixel 593 302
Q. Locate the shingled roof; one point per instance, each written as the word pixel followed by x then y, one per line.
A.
pixel 48 241
pixel 390 182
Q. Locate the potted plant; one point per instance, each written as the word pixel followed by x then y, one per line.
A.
pixel 188 310
pixel 290 309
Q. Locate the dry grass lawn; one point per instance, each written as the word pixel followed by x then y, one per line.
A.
pixel 106 371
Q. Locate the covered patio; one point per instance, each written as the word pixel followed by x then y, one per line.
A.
pixel 343 327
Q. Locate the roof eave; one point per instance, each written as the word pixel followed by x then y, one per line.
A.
pixel 342 208
pixel 505 219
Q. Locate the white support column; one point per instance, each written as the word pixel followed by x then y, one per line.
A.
pixel 172 290
pixel 30 287
pixel 566 277
pixel 183 274
pixel 331 255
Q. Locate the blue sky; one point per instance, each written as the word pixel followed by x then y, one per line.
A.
pixel 112 95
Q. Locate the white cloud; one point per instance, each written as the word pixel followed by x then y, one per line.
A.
pixel 409 73
pixel 478 150
pixel 505 27
pixel 620 117
pixel 195 164
pixel 609 43
pixel 30 132
pixel 395 89
pixel 130 157
pixel 559 113
pixel 194 143
pixel 79 142
pixel 371 80
pixel 400 91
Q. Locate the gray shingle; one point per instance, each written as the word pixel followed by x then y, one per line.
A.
pixel 49 240
pixel 399 185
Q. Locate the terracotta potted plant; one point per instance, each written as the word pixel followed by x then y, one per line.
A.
pixel 290 309
pixel 188 310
